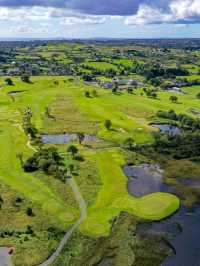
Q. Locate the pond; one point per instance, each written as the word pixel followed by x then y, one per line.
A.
pixel 182 229
pixel 145 179
pixel 168 129
pixel 182 232
pixel 64 138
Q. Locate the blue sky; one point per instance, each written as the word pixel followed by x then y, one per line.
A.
pixel 100 18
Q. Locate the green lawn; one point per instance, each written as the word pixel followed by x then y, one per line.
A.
pixel 114 198
pixel 101 65
pixel 130 116
pixel 13 141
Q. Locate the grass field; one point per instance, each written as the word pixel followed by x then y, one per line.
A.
pixel 114 198
pixel 101 65
pixel 100 178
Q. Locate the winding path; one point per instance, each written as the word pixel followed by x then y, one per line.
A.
pixel 83 215
pixel 82 206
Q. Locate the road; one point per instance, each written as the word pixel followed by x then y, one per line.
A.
pixel 83 215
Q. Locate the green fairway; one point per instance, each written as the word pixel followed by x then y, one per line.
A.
pixel 91 132
pixel 130 116
pixel 13 141
pixel 114 198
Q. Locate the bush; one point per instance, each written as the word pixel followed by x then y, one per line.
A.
pixel 9 82
pixel 25 78
pixel 72 150
pixel 87 94
pixel 29 212
pixel 108 124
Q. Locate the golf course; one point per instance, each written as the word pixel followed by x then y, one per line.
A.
pixel 66 138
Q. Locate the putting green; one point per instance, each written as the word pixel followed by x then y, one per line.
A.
pixel 114 198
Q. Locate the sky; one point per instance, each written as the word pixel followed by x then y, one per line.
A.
pixel 100 18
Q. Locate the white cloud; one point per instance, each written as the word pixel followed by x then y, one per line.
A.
pixel 179 11
pixel 86 20
pixel 25 29
pixel 25 13
pixel 185 9
pixel 175 11
pixel 147 15
pixel 46 14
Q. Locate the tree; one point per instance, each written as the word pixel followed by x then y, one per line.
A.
pixel 129 143
pixel 173 99
pixel 9 82
pixel 25 78
pixel 155 82
pixel 73 150
pixel 81 137
pixel 107 124
pixel 29 212
pixel 154 94
pixel 87 94
pixel 130 90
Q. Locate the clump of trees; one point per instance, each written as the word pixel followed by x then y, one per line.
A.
pixel 151 72
pixel 185 121
pixel 186 146
pixel 10 233
pixel 150 93
pixel 49 161
pixel 73 150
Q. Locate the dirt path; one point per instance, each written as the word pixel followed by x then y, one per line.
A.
pixel 83 215
pixel 29 145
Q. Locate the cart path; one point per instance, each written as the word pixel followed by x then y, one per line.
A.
pixel 83 215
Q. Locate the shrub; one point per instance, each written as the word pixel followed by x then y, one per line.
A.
pixel 25 78
pixel 29 212
pixel 87 94
pixel 9 82
pixel 73 150
pixel 107 124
